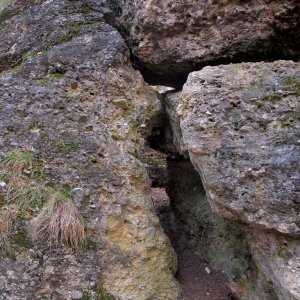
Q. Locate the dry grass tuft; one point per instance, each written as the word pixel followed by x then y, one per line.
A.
pixel 18 171
pixel 8 216
pixel 25 192
pixel 60 221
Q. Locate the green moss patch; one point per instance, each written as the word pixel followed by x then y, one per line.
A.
pixel 67 147
pixel 97 294
pixel 56 76
pixel 17 67
pixel 272 98
pixel 287 123
pixel 293 85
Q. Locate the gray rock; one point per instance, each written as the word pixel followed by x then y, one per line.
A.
pixel 171 102
pixel 63 67
pixel 76 295
pixel 278 257
pixel 240 124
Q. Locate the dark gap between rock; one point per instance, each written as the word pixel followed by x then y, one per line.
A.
pixel 214 259
pixel 197 278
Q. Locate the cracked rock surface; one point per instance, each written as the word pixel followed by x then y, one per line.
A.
pixel 240 126
pixel 172 38
pixel 70 95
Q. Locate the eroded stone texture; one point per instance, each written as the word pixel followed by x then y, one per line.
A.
pixel 219 241
pixel 174 38
pixel 279 258
pixel 171 102
pixel 240 125
pixel 75 101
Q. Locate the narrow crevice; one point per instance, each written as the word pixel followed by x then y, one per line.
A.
pixel 219 243
pixel 161 138
pixel 155 74
pixel 197 278
pixel 214 259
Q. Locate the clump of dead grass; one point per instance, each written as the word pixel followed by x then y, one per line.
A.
pixel 22 172
pixel 58 220
pixel 7 220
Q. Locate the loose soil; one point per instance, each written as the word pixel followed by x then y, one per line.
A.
pixel 197 279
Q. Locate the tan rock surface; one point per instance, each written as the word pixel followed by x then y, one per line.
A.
pixel 240 125
pixel 62 102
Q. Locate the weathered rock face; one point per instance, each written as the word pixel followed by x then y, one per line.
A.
pixel 174 38
pixel 278 257
pixel 219 241
pixel 71 101
pixel 171 101
pixel 69 95
pixel 240 125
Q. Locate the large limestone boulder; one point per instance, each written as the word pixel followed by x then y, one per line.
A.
pixel 71 101
pixel 175 37
pixel 240 126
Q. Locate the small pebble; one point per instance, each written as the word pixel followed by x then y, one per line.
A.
pixel 76 295
pixel 2 184
pixel 207 270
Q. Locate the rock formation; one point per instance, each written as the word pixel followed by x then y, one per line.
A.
pixel 70 96
pixel 172 38
pixel 77 121
pixel 240 126
pixel 251 157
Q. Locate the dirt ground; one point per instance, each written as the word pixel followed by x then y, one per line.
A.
pixel 197 279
